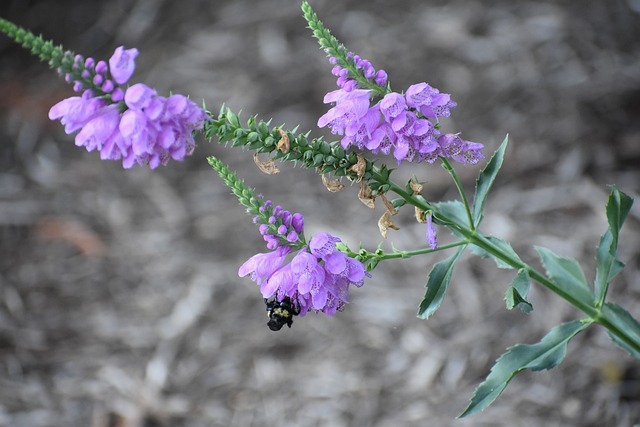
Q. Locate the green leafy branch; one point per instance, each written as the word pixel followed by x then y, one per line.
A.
pixel 564 276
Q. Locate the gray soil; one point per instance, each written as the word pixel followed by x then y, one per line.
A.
pixel 120 303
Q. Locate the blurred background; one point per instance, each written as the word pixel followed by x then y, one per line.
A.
pixel 120 303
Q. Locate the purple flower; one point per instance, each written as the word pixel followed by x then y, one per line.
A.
pixel 420 94
pixel 402 149
pixel 403 123
pixel 75 112
pixel 429 101
pixel 349 107
pixel 382 139
pixel 139 96
pixel 115 148
pixel 309 274
pixel 398 121
pixel 454 147
pixel 431 232
pixel 358 132
pixel 99 129
pixel 472 153
pixel 381 78
pixel 440 107
pixel 298 223
pixel 122 64
pixel 263 265
pixel 392 105
pixel 137 126
pixel 317 278
pixel 323 244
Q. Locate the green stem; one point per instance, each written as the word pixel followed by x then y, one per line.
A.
pixel 409 254
pixel 472 236
pixel 335 49
pixel 463 196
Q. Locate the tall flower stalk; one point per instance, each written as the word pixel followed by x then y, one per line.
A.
pixel 318 276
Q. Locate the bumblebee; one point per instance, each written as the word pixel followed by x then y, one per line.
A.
pixel 280 312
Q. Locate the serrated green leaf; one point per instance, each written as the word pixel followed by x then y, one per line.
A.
pixel 517 292
pixel 437 284
pixel 617 208
pixel 567 275
pixel 546 354
pixel 623 321
pixel 504 247
pixel 452 209
pixel 485 181
pixel 607 263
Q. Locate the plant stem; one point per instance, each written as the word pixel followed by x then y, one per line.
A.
pixel 447 166
pixel 409 254
pixel 472 236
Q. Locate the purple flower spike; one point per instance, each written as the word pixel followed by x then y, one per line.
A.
pixel 318 276
pixel 122 64
pixel 406 125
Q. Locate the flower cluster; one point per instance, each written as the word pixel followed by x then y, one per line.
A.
pixel 279 226
pixel 317 277
pixel 363 66
pixel 399 122
pixel 133 124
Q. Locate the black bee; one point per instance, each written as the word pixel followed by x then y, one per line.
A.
pixel 280 313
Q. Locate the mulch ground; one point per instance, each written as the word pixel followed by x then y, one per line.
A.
pixel 120 303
